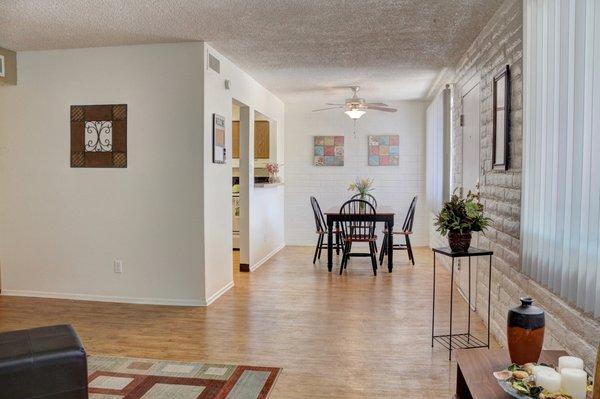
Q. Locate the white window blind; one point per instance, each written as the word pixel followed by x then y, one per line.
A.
pixel 438 150
pixel 560 220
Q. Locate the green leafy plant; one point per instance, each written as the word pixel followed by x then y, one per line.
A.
pixel 462 214
pixel 363 186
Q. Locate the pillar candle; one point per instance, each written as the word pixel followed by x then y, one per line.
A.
pixel 569 362
pixel 574 382
pixel 539 369
pixel 549 379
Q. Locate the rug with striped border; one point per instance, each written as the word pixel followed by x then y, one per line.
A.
pixel 132 378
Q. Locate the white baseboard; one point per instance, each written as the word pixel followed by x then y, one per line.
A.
pixel 266 258
pixel 101 298
pixel 217 294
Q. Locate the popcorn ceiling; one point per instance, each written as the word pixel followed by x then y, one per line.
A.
pixel 296 48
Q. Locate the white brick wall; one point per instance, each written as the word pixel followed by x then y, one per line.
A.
pixel 394 186
pixel 500 43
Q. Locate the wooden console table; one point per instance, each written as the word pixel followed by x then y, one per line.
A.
pixel 474 378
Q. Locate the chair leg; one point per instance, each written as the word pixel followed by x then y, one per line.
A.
pixel 383 249
pixel 373 258
pixel 338 243
pixel 322 237
pixel 348 246
pixel 344 260
pixel 409 250
pixel 317 248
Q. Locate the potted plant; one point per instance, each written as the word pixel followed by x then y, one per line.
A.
pixel 458 218
pixel 363 186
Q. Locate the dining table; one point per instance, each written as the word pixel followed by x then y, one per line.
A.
pixel 383 214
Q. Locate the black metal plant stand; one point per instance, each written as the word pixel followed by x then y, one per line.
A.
pixel 461 340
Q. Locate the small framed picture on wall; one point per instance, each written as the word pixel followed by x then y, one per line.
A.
pixel 219 147
pixel 501 122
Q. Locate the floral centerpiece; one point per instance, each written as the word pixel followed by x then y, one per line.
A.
pixel 273 170
pixel 362 186
pixel 458 218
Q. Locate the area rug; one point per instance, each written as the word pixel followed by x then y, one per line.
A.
pixel 129 378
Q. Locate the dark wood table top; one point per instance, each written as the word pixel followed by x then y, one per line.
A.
pixel 477 366
pixel 381 210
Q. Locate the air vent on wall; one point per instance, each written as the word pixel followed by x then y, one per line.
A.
pixel 2 73
pixel 214 63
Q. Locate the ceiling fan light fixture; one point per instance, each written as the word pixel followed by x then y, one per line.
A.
pixel 355 113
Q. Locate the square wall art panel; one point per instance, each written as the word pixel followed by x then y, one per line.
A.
pixel 329 150
pixel 99 136
pixel 384 150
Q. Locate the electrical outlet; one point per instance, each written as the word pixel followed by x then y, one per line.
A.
pixel 118 266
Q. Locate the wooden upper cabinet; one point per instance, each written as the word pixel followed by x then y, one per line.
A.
pixel 261 140
pixel 235 140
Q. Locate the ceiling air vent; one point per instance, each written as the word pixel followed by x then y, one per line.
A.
pixel 2 70
pixel 214 63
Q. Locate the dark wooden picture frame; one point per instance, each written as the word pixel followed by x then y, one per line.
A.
pixel 219 141
pixel 99 136
pixel 501 119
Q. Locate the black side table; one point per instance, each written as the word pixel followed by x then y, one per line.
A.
pixel 461 340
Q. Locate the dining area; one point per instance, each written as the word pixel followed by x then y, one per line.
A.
pixel 361 227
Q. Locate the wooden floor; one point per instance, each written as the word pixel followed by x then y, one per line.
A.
pixel 350 336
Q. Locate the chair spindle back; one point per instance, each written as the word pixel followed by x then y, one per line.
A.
pixel 410 216
pixel 318 214
pixel 368 197
pixel 361 227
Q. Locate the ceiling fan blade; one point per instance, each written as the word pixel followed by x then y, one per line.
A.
pixel 377 104
pixel 325 109
pixel 384 109
pixel 340 105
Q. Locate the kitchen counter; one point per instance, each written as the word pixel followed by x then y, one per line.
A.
pixel 267 185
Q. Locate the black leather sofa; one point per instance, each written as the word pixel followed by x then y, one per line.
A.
pixel 42 363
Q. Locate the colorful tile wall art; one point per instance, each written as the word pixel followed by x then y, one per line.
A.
pixel 384 150
pixel 329 150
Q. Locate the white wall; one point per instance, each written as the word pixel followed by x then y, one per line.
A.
pixel 265 207
pixel 394 186
pixel 61 228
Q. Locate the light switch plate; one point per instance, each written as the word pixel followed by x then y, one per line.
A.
pixel 118 266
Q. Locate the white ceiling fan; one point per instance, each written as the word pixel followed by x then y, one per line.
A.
pixel 356 107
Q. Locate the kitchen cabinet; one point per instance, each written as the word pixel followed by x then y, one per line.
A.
pixel 235 140
pixel 261 140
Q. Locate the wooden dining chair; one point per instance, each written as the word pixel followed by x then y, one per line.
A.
pixel 406 232
pixel 368 197
pixel 358 229
pixel 321 229
pixel 371 200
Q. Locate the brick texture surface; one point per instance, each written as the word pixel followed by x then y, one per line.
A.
pixel 501 43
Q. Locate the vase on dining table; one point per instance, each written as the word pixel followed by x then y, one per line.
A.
pixel 362 206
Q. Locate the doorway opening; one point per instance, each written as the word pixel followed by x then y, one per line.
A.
pixel 471 166
pixel 240 185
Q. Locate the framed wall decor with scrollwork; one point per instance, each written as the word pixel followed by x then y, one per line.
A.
pixel 99 136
